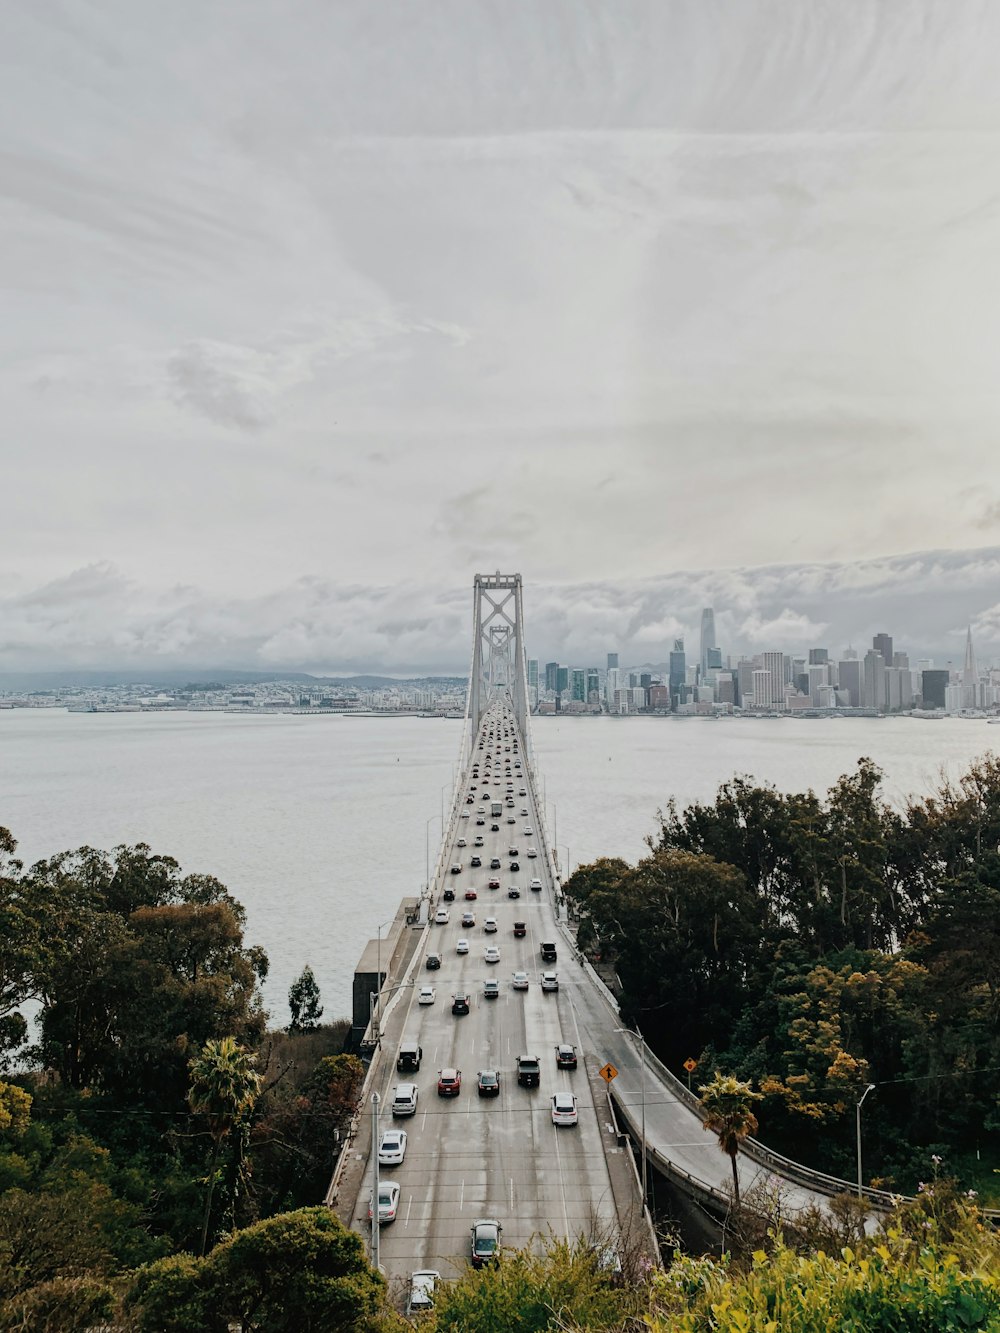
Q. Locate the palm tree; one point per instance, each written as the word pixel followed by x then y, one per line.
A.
pixel 726 1105
pixel 224 1086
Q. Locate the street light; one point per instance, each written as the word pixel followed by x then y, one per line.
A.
pixel 377 995
pixel 378 949
pixel 870 1088
pixel 375 1183
pixel 427 847
pixel 627 1032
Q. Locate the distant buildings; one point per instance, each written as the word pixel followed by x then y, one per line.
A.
pixel 882 681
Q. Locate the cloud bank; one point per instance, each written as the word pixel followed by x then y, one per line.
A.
pixel 97 617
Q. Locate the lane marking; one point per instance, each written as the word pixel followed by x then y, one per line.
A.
pixel 461 1197
pixel 409 1205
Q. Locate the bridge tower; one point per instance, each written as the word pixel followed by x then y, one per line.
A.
pixel 498 657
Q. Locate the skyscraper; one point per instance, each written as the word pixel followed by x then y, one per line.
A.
pixel 562 679
pixel 579 686
pixel 551 672
pixel 882 643
pixel 970 675
pixel 533 673
pixel 818 656
pixel 707 637
pixel 593 684
pixel 678 669
pixel 873 680
pixel 612 661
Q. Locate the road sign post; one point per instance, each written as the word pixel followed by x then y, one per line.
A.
pixel 690 1065
pixel 608 1072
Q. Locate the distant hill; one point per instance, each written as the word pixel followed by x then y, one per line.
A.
pixel 175 679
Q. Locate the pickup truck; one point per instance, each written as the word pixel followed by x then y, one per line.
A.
pixel 528 1071
pixel 548 951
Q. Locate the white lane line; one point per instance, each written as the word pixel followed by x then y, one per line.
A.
pixel 562 1180
pixel 461 1197
pixel 409 1205
pixel 512 1196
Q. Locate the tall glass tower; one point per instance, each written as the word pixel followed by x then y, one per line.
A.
pixel 707 638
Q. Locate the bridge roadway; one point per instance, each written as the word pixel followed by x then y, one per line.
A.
pixel 470 1157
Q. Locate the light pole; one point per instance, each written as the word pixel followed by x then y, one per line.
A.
pixel 427 847
pixel 870 1088
pixel 627 1032
pixel 377 995
pixel 375 1182
pixel 378 951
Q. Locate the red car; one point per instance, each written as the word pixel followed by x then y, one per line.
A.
pixel 470 894
pixel 494 884
pixel 449 1082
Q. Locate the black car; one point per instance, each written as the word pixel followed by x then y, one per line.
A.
pixel 495 863
pixel 460 1003
pixel 489 1083
pixel 476 861
pixel 565 1056
pixel 494 828
pixel 449 895
pixel 433 962
pixel 515 865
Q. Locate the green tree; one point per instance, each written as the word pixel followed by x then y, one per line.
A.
pixel 173 1295
pixel 224 1087
pixel 141 967
pixel 300 1272
pixel 19 951
pixel 303 1001
pixel 727 1110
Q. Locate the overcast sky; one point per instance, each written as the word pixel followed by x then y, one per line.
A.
pixel 313 308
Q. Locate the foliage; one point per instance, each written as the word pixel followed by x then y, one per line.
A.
pixel 61 1305
pixel 300 1272
pixel 528 1292
pixel 727 1110
pixel 295 1137
pixel 303 1002
pixel 140 967
pixel 815 944
pixel 224 1087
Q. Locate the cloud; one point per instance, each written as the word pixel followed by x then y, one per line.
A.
pixel 97 616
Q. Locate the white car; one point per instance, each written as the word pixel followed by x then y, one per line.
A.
pixel 520 981
pixel 422 1290
pixel 462 946
pixel 550 981
pixel 461 843
pixel 530 851
pixel 465 814
pixel 491 954
pixel 490 925
pixel 426 995
pixel 441 916
pixel 392 1147
pixel 535 885
pixel 388 1202
pixel 564 1110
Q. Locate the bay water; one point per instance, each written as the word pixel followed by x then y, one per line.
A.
pixel 320 825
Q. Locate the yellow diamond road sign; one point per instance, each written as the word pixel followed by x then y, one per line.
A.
pixel 690 1065
pixel 608 1072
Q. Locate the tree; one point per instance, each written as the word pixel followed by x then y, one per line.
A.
pixel 224 1087
pixel 300 1272
pixel 726 1105
pixel 139 969
pixel 303 1001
